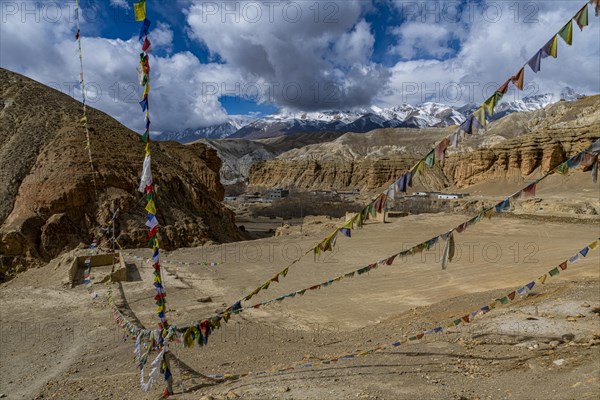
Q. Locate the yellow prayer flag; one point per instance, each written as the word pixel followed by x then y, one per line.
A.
pixel 146 89
pixel 139 10
pixel 553 46
pixel 419 168
pixel 349 224
pixel 543 278
pixel 148 148
pixel 593 245
pixel 83 120
pixel 480 116
pixel 150 207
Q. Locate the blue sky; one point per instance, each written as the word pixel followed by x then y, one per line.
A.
pixel 216 59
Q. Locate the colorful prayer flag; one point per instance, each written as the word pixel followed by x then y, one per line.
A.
pixel 489 104
pixel 550 48
pixel 480 116
pixel 582 17
pixel 144 103
pixel 517 79
pixel 144 30
pixel 139 10
pixel 430 159
pixel 529 191
pixel 146 46
pixel 150 207
pixel 596 4
pixel 418 169
pixel 535 62
pixel 503 205
pixel 563 265
pixel 440 149
pixel 567 32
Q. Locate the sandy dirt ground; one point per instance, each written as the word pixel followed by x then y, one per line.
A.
pixel 58 343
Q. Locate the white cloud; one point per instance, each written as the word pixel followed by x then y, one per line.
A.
pixel 120 3
pixel 423 40
pixel 47 52
pixel 301 55
pixel 492 50
pixel 321 61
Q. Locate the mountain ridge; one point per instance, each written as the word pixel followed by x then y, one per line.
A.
pixel 361 120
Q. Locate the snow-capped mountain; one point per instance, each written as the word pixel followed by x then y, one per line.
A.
pixel 287 122
pixel 220 131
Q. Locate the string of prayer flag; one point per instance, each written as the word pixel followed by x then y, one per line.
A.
pixel 147 186
pixel 83 120
pixel 550 49
pixel 522 292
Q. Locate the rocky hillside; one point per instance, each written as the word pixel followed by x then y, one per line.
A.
pixel 47 199
pixel 352 161
pixel 519 143
pixel 237 155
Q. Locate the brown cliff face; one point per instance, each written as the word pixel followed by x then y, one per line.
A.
pixel 365 174
pixel 535 141
pixel 47 199
pixel 516 145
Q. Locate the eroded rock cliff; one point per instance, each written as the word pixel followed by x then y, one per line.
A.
pixel 48 202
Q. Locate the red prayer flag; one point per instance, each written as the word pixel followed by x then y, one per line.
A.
pixel 517 79
pixel 563 265
pixel 504 87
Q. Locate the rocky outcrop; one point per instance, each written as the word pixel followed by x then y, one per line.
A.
pixel 534 142
pixel 48 202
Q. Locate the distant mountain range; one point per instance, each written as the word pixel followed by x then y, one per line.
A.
pixel 219 131
pixel 286 122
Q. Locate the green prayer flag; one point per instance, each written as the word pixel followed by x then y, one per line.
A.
pixel 562 168
pixel 582 17
pixel 489 104
pixel 504 300
pixel 567 32
pixel 430 159
pixel 554 272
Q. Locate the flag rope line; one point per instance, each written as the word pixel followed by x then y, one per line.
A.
pixel 521 291
pixel 146 186
pixel 467 318
pixel 83 120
